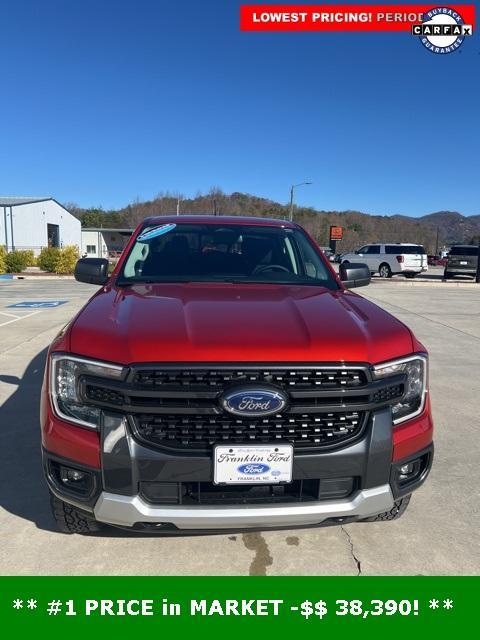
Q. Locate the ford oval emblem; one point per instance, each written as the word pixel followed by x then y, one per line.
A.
pixel 253 469
pixel 252 401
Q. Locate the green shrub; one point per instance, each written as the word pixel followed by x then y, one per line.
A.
pixel 30 258
pixel 57 260
pixel 48 259
pixel 67 260
pixel 3 266
pixel 16 261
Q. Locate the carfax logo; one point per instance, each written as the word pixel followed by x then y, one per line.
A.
pixel 443 30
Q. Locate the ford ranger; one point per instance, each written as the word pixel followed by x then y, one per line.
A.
pixel 224 377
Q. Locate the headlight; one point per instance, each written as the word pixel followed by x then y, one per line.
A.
pixel 412 402
pixel 65 372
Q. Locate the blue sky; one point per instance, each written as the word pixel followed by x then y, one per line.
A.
pixel 107 101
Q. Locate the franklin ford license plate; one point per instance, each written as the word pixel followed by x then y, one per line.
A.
pixel 253 464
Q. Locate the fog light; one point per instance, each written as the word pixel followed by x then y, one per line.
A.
pixel 68 476
pixel 80 482
pixel 406 469
pixel 409 471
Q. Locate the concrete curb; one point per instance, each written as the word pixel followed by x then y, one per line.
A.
pixel 52 277
pixel 426 283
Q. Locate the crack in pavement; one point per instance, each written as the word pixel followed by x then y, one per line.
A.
pixel 352 551
pixel 256 542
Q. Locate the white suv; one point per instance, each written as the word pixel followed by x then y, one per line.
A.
pixel 389 259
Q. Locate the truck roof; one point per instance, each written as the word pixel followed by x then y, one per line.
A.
pixel 209 219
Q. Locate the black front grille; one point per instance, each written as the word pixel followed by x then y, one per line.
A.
pixel 201 432
pixel 99 394
pixel 175 407
pixel 388 393
pixel 289 378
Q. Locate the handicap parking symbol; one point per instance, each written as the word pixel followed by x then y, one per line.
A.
pixel 37 304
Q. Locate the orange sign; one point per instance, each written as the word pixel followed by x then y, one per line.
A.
pixel 336 233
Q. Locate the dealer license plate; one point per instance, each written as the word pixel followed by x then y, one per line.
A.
pixel 253 464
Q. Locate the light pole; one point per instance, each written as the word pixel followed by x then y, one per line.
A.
pixel 477 275
pixel 178 206
pixel 292 189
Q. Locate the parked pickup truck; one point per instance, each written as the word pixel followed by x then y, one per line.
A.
pixel 225 378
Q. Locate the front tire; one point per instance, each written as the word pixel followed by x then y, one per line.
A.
pixel 384 271
pixel 410 275
pixel 398 509
pixel 69 519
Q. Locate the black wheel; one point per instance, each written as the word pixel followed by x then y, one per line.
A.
pixel 69 519
pixel 345 262
pixel 447 275
pixel 398 509
pixel 410 275
pixel 384 271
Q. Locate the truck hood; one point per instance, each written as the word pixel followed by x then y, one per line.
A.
pixel 197 322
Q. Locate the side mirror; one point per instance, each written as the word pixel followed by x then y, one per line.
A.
pixel 355 274
pixel 92 270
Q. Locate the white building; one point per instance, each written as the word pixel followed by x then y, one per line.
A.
pixel 34 223
pixel 104 243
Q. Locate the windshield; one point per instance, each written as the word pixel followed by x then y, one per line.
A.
pixel 405 249
pixel 415 249
pixel 224 253
pixel 464 251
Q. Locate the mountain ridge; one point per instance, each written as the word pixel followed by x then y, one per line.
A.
pixel 359 227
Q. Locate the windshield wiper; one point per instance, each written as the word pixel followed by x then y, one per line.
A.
pixel 232 280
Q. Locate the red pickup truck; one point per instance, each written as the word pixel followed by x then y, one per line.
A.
pixel 225 378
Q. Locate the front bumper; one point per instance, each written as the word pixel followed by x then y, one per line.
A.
pixel 129 511
pixel 126 465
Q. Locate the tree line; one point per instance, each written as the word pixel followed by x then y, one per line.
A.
pixel 359 228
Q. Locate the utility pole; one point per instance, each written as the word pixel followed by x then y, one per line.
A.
pixel 477 277
pixel 292 190
pixel 436 245
pixel 290 217
pixel 214 206
pixel 178 206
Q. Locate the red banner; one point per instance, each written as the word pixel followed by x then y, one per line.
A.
pixel 330 17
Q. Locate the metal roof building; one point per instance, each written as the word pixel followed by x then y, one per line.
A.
pixel 36 222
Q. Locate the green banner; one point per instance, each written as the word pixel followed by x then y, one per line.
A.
pixel 274 606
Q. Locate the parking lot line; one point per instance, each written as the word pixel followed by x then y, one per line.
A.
pixel 10 315
pixel 16 318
